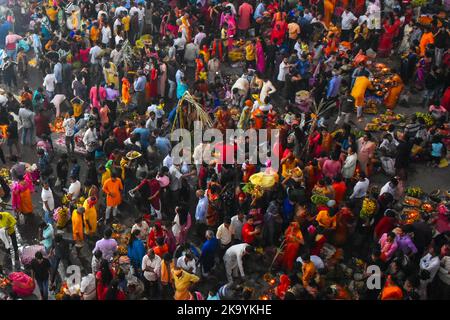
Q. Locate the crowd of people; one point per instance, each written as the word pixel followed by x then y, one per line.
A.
pixel 116 77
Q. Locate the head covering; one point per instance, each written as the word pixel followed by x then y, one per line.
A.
pixel 163 181
pixel 331 203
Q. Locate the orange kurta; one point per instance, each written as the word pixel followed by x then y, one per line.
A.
pixel 359 90
pixel 394 93
pixel 126 97
pixel 113 191
pixel 328 6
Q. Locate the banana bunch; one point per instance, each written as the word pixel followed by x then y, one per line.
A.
pixel 426 117
pixel 368 208
pixel 257 192
pixel 4 173
pixel 122 249
pixel 415 192
pixel 318 199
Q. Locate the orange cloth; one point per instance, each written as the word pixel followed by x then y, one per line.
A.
pixel 328 6
pixel 325 220
pixel 339 191
pixel 166 272
pixel 26 204
pixel 394 93
pixel 113 192
pixel 94 34
pixel 77 226
pixel 309 272
pixel 126 97
pixel 426 39
pixel 359 90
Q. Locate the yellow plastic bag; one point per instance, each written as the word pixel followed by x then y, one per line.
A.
pixel 264 180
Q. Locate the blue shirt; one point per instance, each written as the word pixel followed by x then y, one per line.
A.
pixel 333 87
pixel 57 70
pixel 259 11
pixel 144 134
pixel 163 145
pixel 136 252
pixel 139 84
pixel 181 89
pixel 436 149
pixel 202 208
pixel 4 29
pixel 303 67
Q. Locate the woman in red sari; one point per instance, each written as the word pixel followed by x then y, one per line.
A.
pixel 278 32
pixel 294 239
pixel 387 38
pixel 359 7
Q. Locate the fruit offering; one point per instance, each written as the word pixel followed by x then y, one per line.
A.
pixel 412 202
pixel 415 192
pixel 368 208
pixel 410 215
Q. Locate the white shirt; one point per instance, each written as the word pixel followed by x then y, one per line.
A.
pixel 317 261
pixel 199 37
pixel 242 85
pixel 69 126
pixel 179 43
pixel 236 227
pixel 94 53
pixel 159 112
pixel 175 176
pixel 224 234
pixel 374 17
pixel 106 35
pixel 144 230
pixel 347 20
pixel 431 264
pixel 233 258
pixel 47 196
pixel 155 264
pixel 49 82
pixel 90 136
pixel 186 266
pixel 388 189
pixel 360 189
pixel 284 69
pixel 444 269
pixel 168 161
pixel 141 13
pixel 119 10
pixel 75 189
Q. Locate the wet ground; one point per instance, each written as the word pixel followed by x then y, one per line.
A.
pixel 420 175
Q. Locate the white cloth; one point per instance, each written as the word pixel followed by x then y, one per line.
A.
pixel 242 85
pixel 360 189
pixel 284 70
pixel 224 234
pixel 387 189
pixel 155 264
pixel 236 227
pixel 267 89
pixel 431 264
pixel 348 18
pixel 316 260
pixel 233 259
pixel 88 288
pixel 75 189
pixel 188 266
pixel 5 238
pixel 49 82
pixel 444 270
pixel 47 196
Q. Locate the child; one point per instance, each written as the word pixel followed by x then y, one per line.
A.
pixel 437 150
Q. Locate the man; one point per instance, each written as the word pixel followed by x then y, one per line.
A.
pixel 49 85
pixel 346 107
pixel 360 188
pixel 107 246
pixel 209 252
pixel 224 234
pixel 390 187
pixel 74 189
pixel 61 253
pixel 40 272
pixel 113 188
pixel 200 212
pixel 179 43
pixel 237 222
pixel 308 270
pixel 162 144
pixel 26 117
pixel 334 86
pixel 8 222
pixel 91 139
pixel 347 21
pixel 187 263
pixel 151 266
pixel 241 88
pixel 245 12
pixel 198 39
pixel 48 202
pixel 233 259
pixel 249 231
pixel 144 133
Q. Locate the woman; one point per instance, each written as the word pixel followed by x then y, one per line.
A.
pixel 151 90
pixel 110 74
pixel 182 224
pixel 423 69
pixel 405 44
pixel 155 232
pixel 278 32
pixel 136 250
pixel 21 197
pixel 389 245
pixel 387 38
pixel 394 92
pixel 260 58
pixel 162 79
pixel 114 292
pixel 104 278
pixel 348 169
pixel 328 6
pixel 90 216
pixel 126 97
pixel 294 239
pixel 366 150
